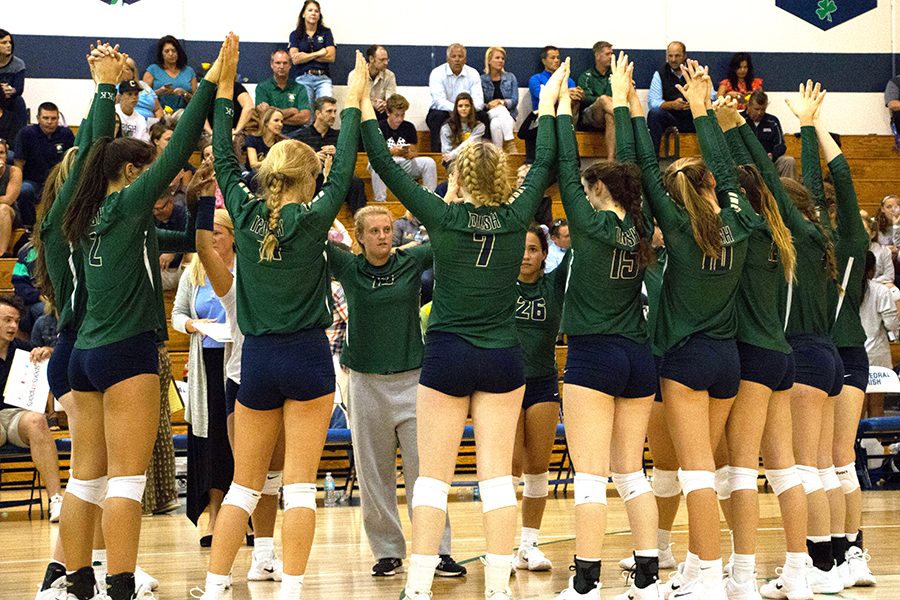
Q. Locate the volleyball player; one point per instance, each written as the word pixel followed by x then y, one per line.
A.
pixel 472 360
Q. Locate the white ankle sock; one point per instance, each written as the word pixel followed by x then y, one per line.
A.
pixel 215 585
pixel 98 556
pixel 851 537
pixel 794 564
pixel 663 537
pixel 744 567
pixel 530 536
pixel 691 567
pixel 496 572
pixel 649 553
pixel 711 572
pixel 421 573
pixel 291 587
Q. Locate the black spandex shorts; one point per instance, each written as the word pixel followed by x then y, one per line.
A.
pixel 98 369
pixel 705 364
pixel 58 367
pixel 770 368
pixel 856 367
pixel 818 363
pixel 231 394
pixel 541 389
pixel 453 366
pixel 611 364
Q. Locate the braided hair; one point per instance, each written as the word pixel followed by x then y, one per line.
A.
pixel 484 174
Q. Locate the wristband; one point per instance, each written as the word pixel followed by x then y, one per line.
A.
pixel 206 212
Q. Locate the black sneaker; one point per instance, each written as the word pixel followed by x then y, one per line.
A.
pixel 387 567
pixel 449 567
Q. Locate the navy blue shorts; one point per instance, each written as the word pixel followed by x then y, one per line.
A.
pixel 58 367
pixel 453 366
pixel 856 367
pixel 705 364
pixel 818 363
pixel 98 369
pixel 541 389
pixel 290 366
pixel 611 364
pixel 231 394
pixel 657 361
pixel 770 368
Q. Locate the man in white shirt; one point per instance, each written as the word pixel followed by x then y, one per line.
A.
pixel 133 123
pixel 384 82
pixel 560 242
pixel 445 83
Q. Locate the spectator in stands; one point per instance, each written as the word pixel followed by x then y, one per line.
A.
pixel 501 93
pixel 461 129
pixel 884 261
pixel 173 80
pixel 210 461
pixel 12 83
pixel 271 124
pixel 741 81
pixel 769 133
pixel 10 186
pixel 384 82
pixel 26 288
pixel 544 213
pixel 597 112
pixel 559 243
pixel 243 110
pixel 170 213
pixel 132 123
pixel 402 141
pixel 37 148
pixel 551 61
pixel 148 102
pixel 446 82
pixel 667 105
pixel 20 427
pixel 878 313
pixel 312 51
pixel 892 101
pixel 283 93
pixel 322 138
pixel 160 134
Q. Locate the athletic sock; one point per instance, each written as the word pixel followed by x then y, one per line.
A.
pixel 819 549
pixel 120 586
pixel 691 567
pixel 529 537
pixel 794 564
pixel 496 572
pixel 711 572
pixel 839 547
pixel 54 571
pixel 857 539
pixel 744 567
pixel 215 584
pixel 81 583
pixel 587 574
pixel 291 586
pixel 421 573
pixel 646 568
pixel 663 538
pixel 264 547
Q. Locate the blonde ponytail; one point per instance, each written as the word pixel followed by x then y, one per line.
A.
pixel 760 197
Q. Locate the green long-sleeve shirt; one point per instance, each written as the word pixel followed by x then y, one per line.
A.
pixel 539 309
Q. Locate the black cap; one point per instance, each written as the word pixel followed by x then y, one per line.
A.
pixel 129 85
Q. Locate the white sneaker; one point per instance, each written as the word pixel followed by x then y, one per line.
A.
pixel 859 567
pixel 265 567
pixel 791 588
pixel 651 592
pixel 741 591
pixel 843 571
pixel 824 582
pixel 143 592
pixel 675 582
pixel 142 577
pixel 212 593
pixel 416 596
pixel 666 560
pixel 498 595
pixel 531 558
pixel 56 591
pixel 570 594
pixel 56 501
pixel 698 590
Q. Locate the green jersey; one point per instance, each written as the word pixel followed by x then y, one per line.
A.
pixel 292 95
pixel 383 333
pixel 477 249
pixel 539 309
pixel 698 293
pixel 653 278
pixel 604 292
pixel 291 292
pixel 62 269
pixel 121 271
pixel 594 85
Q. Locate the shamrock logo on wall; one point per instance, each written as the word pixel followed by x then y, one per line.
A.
pixel 826 14
pixel 826 9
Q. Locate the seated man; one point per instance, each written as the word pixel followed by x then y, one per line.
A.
pixel 445 83
pixel 597 111
pixel 768 130
pixel 37 148
pixel 170 213
pixel 322 138
pixel 551 61
pixel 560 241
pixel 892 101
pixel 285 94
pixel 133 123
pixel 21 427
pixel 668 108
pixel 401 140
pixel 384 82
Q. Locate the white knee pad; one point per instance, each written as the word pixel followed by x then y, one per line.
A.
pixel 497 493
pixel 590 489
pixel 92 491
pixel 273 483
pixel 536 485
pixel 242 497
pixel 849 479
pixel 742 478
pixel 782 480
pixel 428 491
pixel 809 477
pixel 665 483
pixel 829 478
pixel 691 481
pixel 299 495
pixel 631 485
pixel 131 487
pixel 723 485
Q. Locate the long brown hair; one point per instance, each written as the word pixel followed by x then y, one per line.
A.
pixel 804 202
pixel 684 180
pixel 623 180
pixel 455 121
pixel 54 183
pixel 301 22
pixel 762 201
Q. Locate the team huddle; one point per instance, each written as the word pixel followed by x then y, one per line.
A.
pixel 752 345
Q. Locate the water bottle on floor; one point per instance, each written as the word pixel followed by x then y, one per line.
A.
pixel 330 495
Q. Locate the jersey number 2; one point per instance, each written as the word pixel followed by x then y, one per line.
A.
pixel 487 248
pixel 94 258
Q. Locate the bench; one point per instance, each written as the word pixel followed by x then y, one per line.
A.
pixel 887 431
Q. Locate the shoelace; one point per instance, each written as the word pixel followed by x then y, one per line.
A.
pixel 197 592
pixel 630 574
pixel 145 594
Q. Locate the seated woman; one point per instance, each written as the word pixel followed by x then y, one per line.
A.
pixel 148 104
pixel 502 88
pixel 170 76
pixel 10 185
pixel 271 124
pixel 740 82
pixel 461 129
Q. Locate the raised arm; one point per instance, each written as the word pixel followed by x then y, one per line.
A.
pixel 220 276
pixel 576 205
pixel 621 81
pixel 806 107
pixel 201 206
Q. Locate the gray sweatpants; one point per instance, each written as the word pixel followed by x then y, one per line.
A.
pixel 382 415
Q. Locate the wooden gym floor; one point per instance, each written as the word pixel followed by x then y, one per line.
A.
pixel 339 567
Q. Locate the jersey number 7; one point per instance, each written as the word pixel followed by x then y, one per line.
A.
pixel 487 248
